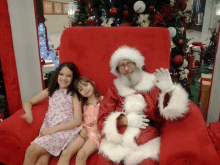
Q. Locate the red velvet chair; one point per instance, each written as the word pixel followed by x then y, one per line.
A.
pixel 185 141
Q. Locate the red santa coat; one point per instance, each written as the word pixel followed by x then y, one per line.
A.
pixel 133 145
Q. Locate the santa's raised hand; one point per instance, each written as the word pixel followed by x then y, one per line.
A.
pixel 163 80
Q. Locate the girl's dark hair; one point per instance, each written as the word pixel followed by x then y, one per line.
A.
pixel 85 80
pixel 53 85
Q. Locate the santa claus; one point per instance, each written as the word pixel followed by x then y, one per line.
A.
pixel 132 108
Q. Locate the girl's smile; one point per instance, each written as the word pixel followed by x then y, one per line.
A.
pixel 65 78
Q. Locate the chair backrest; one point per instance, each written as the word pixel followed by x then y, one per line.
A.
pixel 90 48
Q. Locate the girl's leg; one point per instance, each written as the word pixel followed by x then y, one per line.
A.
pixel 88 149
pixel 32 154
pixel 71 150
pixel 43 159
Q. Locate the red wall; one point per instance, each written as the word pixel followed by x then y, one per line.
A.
pixel 8 60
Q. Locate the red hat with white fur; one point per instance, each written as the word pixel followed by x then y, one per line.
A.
pixel 126 52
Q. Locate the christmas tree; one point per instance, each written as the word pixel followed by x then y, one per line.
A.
pixel 155 13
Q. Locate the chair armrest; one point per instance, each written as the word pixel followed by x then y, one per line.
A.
pixel 187 140
pixel 16 134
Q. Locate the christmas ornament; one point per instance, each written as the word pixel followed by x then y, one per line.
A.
pixel 78 10
pixel 90 20
pixel 73 23
pixel 125 14
pixel 151 7
pixel 180 42
pixel 80 23
pixel 177 61
pixel 143 20
pixel 113 12
pixel 91 11
pixel 139 7
pixel 79 1
pixel 172 31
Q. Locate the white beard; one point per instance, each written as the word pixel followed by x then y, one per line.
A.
pixel 132 80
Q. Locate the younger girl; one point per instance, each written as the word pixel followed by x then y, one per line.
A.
pixel 89 139
pixel 62 122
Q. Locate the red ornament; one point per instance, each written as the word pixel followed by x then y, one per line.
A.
pixel 73 23
pixel 90 21
pixel 91 10
pixel 78 10
pixel 175 73
pixel 90 5
pixel 180 42
pixel 151 7
pixel 177 61
pixel 125 14
pixel 80 23
pixel 79 0
pixel 113 12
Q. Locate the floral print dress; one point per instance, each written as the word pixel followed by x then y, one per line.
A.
pixel 60 111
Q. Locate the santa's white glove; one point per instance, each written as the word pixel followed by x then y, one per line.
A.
pixel 138 121
pixel 163 80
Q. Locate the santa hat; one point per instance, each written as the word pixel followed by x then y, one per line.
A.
pixel 126 52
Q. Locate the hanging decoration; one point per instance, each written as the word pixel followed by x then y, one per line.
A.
pixel 139 7
pixel 177 61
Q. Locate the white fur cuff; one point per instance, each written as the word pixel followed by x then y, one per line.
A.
pixel 149 150
pixel 177 105
pixel 110 128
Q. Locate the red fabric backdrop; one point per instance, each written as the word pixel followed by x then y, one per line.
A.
pixel 91 52
pixel 8 60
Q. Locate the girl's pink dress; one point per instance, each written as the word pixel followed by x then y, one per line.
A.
pixel 60 111
pixel 90 117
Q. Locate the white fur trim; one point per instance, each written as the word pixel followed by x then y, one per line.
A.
pixel 128 138
pixel 126 52
pixel 146 84
pixel 110 128
pixel 114 152
pixel 177 105
pixel 149 150
pixel 134 103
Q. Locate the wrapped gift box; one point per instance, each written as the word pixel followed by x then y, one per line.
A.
pixel 205 90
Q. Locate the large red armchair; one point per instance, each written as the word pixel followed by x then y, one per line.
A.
pixel 183 142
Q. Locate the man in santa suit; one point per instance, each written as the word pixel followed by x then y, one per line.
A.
pixel 134 101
